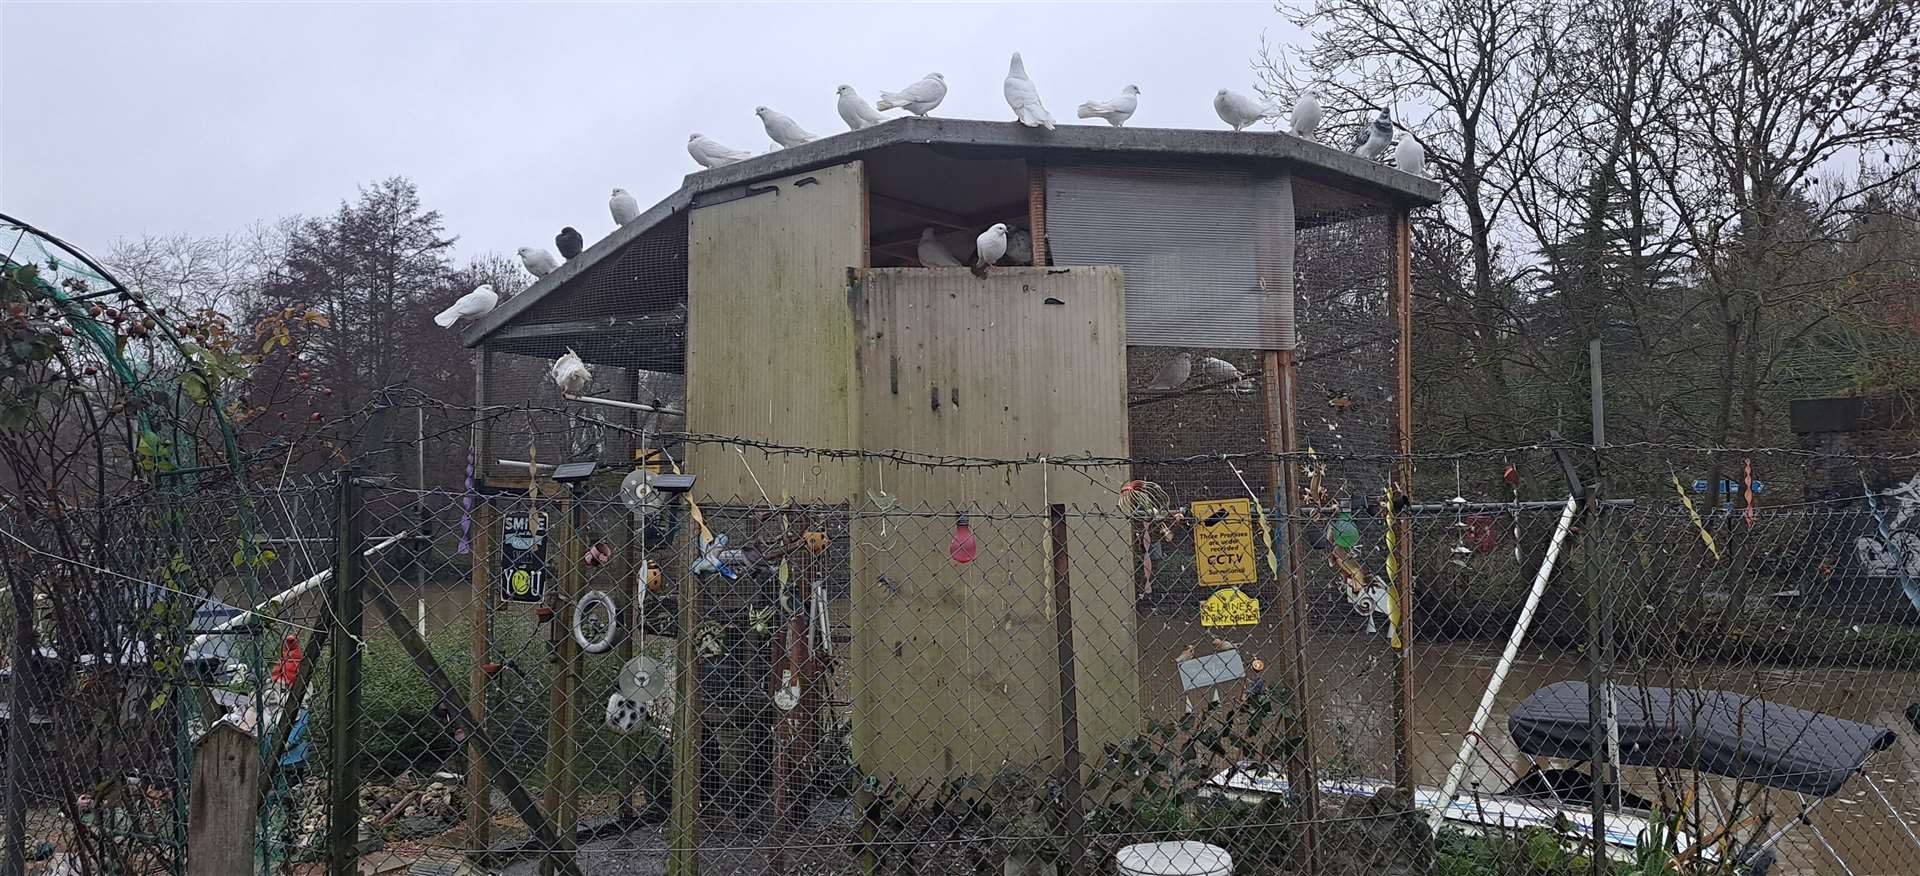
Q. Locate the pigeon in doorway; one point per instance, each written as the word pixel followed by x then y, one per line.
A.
pixel 933 253
pixel 989 247
pixel 570 242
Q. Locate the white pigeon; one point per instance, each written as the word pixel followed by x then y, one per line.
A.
pixel 1024 98
pixel 625 208
pixel 989 247
pixel 1174 374
pixel 1306 115
pixel 1116 111
pixel 782 128
pixel 1410 156
pixel 539 262
pixel 933 253
pixel 1374 138
pixel 1020 247
pixel 569 373
pixel 855 111
pixel 471 305
pixel 919 98
pixel 1237 109
pixel 710 153
pixel 1220 369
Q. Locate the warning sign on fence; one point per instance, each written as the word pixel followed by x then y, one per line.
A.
pixel 1223 542
pixel 1229 607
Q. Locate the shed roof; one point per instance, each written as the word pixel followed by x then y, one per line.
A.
pixel 989 139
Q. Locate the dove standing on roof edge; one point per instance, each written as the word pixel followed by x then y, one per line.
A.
pixel 569 242
pixel 1306 115
pixel 1117 111
pixel 472 305
pixel 711 153
pixel 854 109
pixel 624 208
pixel 782 128
pixel 1024 97
pixel 1237 109
pixel 537 261
pixel 1374 138
pixel 919 98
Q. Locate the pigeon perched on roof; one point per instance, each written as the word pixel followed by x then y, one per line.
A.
pixel 782 128
pixel 472 305
pixel 538 261
pixel 1239 110
pixel 933 253
pixel 1116 111
pixel 625 208
pixel 855 111
pixel 711 153
pixel 570 242
pixel 569 373
pixel 1174 374
pixel 989 247
pixel 1410 156
pixel 1024 97
pixel 919 98
pixel 1020 247
pixel 1306 115
pixel 1374 138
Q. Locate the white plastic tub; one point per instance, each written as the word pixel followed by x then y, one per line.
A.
pixel 1185 858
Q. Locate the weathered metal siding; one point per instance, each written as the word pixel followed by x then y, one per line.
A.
pixel 956 664
pixel 1195 242
pixel 770 336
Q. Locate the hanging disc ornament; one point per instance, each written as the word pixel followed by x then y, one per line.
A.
pixel 644 679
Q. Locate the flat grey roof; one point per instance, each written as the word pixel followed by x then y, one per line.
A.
pixel 1305 158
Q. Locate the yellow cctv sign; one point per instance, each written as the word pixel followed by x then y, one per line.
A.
pixel 1223 542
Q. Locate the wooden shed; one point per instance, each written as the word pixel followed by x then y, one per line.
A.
pixel 775 305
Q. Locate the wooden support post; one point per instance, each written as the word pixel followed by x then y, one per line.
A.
pixel 1283 435
pixel 1400 304
pixel 442 683
pixel 562 703
pixel 479 607
pixel 227 780
pixel 1075 851
pixel 346 614
pixel 684 858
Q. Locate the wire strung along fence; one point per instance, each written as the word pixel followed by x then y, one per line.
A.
pixel 608 675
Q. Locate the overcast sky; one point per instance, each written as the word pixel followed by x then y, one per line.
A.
pixel 517 118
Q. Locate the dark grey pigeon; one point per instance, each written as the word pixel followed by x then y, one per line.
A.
pixel 570 242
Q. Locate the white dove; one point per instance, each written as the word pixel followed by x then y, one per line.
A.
pixel 989 247
pixel 1220 369
pixel 855 111
pixel 919 98
pixel 1174 374
pixel 1020 247
pixel 539 262
pixel 933 253
pixel 710 153
pixel 569 373
pixel 1410 156
pixel 625 208
pixel 1374 138
pixel 1116 111
pixel 1306 115
pixel 1237 109
pixel 1024 98
pixel 782 128
pixel 471 305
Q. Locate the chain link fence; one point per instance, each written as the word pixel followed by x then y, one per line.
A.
pixel 609 676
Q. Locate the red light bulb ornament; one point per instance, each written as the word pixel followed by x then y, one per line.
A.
pixel 963 548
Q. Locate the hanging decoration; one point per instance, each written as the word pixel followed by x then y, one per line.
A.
pixel 1698 526
pixel 964 547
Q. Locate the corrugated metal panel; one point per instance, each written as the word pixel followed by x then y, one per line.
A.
pixel 1208 253
pixel 770 336
pixel 957 663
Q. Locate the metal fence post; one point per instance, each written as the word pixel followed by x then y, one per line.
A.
pixel 344 622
